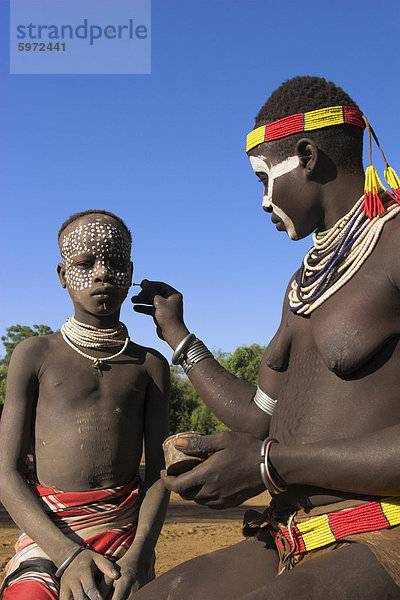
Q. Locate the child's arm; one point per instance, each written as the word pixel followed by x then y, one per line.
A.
pixel 15 439
pixel 137 562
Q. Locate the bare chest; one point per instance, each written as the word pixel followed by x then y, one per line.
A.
pixel 345 332
pixel 337 363
pixel 74 394
pixel 88 421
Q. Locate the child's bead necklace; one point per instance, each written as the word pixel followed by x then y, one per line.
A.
pixel 76 334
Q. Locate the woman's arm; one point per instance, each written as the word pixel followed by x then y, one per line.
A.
pixel 228 397
pixel 368 464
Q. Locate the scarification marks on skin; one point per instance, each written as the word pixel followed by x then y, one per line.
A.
pixel 107 244
pixel 94 432
pixel 292 417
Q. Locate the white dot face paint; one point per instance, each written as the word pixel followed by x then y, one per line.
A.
pixel 260 166
pixel 92 250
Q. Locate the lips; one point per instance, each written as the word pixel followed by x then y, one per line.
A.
pixel 103 292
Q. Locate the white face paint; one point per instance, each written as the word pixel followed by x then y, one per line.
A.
pixel 103 247
pixel 259 166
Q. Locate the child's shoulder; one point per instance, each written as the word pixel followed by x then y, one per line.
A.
pixel 151 358
pixel 32 350
pixel 37 343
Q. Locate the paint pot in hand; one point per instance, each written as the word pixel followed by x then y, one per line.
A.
pixel 177 462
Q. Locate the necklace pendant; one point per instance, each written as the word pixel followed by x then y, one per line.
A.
pixel 98 364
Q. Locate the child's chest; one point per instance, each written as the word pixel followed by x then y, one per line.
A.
pixel 75 387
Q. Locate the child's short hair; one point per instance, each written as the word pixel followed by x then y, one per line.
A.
pixel 93 211
pixel 343 143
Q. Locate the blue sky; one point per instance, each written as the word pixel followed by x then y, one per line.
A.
pixel 165 151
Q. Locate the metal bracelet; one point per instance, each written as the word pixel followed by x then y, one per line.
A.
pixel 182 347
pixel 70 558
pixel 265 468
pixel 265 402
pixel 195 353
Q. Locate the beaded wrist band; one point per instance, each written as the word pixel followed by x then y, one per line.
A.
pixel 182 347
pixel 270 478
pixel 70 558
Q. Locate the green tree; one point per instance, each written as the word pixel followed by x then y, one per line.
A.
pixel 17 333
pixel 14 335
pixel 188 411
pixel 244 362
pixel 182 402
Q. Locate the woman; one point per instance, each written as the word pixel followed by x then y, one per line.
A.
pixel 322 429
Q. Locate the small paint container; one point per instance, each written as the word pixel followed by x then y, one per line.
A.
pixel 177 462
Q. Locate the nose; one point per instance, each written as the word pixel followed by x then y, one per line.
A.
pixel 102 273
pixel 267 206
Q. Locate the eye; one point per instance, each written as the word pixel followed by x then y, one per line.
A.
pixel 84 264
pixel 262 178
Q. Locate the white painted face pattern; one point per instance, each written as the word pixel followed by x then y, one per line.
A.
pixel 259 166
pixel 109 249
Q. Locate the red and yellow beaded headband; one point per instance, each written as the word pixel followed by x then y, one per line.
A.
pixel 315 119
pixel 326 117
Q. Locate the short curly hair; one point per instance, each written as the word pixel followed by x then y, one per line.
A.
pixel 342 143
pixel 92 211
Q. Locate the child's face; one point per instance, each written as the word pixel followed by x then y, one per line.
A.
pixel 97 268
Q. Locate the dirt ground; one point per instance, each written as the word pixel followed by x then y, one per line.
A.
pixel 189 530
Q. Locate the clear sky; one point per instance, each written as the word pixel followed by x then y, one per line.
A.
pixel 165 151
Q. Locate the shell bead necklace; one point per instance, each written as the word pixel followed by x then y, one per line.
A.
pixel 76 334
pixel 336 257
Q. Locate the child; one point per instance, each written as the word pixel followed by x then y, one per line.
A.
pixel 82 400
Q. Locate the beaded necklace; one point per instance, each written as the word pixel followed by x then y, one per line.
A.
pixel 76 334
pixel 336 257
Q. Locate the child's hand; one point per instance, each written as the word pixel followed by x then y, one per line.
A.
pixel 133 577
pixel 166 308
pixel 80 579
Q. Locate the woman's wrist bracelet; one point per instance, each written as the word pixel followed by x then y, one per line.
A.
pixel 182 347
pixel 70 558
pixel 189 352
pixel 270 478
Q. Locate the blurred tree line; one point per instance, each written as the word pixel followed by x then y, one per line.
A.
pixel 187 411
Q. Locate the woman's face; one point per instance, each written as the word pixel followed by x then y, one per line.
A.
pixel 287 193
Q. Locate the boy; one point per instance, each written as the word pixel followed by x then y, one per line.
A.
pixel 83 399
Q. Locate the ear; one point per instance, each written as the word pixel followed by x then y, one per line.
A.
pixel 307 151
pixel 131 273
pixel 61 274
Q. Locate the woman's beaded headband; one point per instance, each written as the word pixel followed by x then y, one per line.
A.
pixel 326 117
pixel 315 119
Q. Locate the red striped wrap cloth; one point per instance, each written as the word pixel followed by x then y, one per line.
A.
pixel 105 519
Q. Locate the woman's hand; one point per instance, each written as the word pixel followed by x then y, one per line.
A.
pixel 165 305
pixel 228 477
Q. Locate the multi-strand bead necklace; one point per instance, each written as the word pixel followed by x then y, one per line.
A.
pixel 76 334
pixel 336 257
